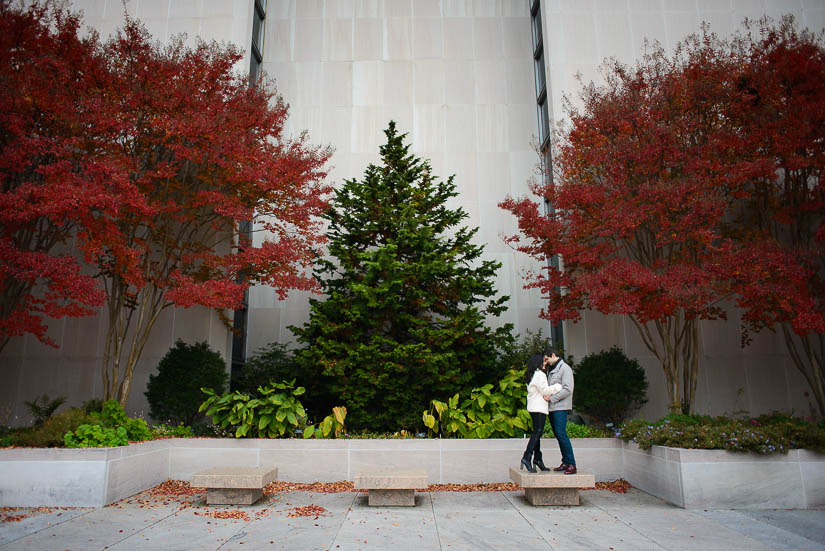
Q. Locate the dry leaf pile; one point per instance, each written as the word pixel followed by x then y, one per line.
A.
pixel 16 514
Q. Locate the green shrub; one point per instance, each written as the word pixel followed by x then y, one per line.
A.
pixel 774 433
pixel 575 430
pixel 174 393
pixel 42 408
pixel 275 413
pixel 93 405
pixel 610 387
pixel 51 432
pixel 96 436
pixel 269 364
pixel 113 416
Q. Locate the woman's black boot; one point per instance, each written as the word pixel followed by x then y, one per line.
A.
pixel 540 464
pixel 525 464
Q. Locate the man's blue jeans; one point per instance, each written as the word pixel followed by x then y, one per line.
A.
pixel 558 420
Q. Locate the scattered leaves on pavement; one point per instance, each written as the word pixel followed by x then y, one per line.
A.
pixel 308 511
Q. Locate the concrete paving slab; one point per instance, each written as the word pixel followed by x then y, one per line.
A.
pixel 96 529
pixel 583 528
pixel 492 531
pixel 280 531
pixel 808 524
pixel 184 530
pixel 677 529
pixel 388 527
pixel 36 520
pixel 781 530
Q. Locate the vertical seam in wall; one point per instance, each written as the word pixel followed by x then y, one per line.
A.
pixel 440 462
pixel 169 459
pixel 105 480
pixel 349 460
pixel 802 480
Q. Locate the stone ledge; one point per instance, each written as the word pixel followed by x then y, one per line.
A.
pixel 391 479
pixel 234 477
pixel 552 479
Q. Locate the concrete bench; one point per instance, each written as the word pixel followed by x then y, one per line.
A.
pixel 550 488
pixel 395 487
pixel 234 485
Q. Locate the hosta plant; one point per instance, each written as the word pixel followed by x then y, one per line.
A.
pixel 274 413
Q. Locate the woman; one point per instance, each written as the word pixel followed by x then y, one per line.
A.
pixel 538 392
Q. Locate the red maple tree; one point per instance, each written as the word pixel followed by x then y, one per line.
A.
pixel 49 168
pixel 655 204
pixel 150 160
pixel 204 153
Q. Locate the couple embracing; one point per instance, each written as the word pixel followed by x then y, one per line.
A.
pixel 549 390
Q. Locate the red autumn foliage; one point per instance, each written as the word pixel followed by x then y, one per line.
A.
pixel 205 153
pixel 50 172
pixel 151 161
pixel 684 184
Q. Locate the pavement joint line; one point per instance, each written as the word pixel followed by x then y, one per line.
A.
pixel 48 527
pixel 435 520
pixel 235 535
pixel 530 524
pixel 346 516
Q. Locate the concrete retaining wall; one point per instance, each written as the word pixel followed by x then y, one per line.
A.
pixel 714 479
pixel 687 478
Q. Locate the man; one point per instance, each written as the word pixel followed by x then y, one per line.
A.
pixel 561 403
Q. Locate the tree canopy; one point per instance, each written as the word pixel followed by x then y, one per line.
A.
pixel 686 184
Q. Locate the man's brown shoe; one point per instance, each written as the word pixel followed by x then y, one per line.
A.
pixel 560 468
pixel 571 469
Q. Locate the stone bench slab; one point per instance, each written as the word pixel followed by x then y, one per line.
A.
pixel 550 488
pixel 234 485
pixel 391 487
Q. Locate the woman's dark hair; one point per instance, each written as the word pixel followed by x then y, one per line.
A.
pixel 534 362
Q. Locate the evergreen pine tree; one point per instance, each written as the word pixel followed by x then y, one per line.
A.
pixel 406 296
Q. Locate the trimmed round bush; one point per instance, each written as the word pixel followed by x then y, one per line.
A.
pixel 609 386
pixel 174 394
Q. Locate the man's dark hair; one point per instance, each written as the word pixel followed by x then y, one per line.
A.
pixel 549 350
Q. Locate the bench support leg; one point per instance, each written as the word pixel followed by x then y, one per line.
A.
pixel 397 498
pixel 552 496
pixel 233 496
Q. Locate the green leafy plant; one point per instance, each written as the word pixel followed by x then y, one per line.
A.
pixel 113 416
pixel 275 413
pixel 96 436
pixel 42 408
pixel 174 392
pixel 332 425
pixel 610 387
pixel 485 414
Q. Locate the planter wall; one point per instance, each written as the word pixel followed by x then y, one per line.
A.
pixel 713 479
pixel 687 478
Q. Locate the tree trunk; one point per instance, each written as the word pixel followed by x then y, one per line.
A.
pixel 675 343
pixel 808 355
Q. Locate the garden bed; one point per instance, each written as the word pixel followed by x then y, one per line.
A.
pixel 687 478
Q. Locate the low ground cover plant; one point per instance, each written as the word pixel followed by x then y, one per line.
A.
pixel 766 434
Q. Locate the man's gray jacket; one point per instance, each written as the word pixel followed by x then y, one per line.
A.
pixel 563 375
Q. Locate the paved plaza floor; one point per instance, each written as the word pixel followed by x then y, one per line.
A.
pixel 343 521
